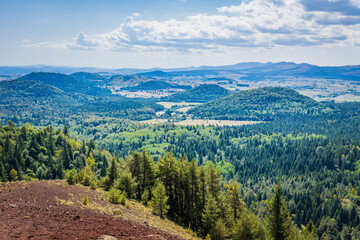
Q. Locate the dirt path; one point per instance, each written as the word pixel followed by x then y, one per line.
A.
pixel 31 210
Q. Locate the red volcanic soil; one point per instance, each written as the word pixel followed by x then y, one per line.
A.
pixel 31 210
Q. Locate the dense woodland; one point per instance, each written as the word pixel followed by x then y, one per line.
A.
pixel 193 196
pixel 196 175
pixel 317 162
pixel 265 104
pixel 201 93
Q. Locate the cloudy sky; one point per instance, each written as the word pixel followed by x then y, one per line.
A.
pixel 178 33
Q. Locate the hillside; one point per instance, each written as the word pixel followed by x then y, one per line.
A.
pixel 159 73
pixel 264 104
pixel 126 80
pixel 85 76
pixel 153 86
pixel 18 92
pixel 53 210
pixel 202 93
pixel 66 83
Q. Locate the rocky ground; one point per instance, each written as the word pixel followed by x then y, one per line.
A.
pixel 53 210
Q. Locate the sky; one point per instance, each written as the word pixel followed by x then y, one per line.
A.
pixel 178 33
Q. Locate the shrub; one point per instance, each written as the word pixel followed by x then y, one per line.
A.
pixel 13 175
pixel 85 200
pixel 71 177
pixel 116 196
pixel 94 184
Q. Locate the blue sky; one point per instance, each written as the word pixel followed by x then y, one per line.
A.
pixel 178 33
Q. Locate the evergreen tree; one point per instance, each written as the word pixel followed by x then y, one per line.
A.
pixel 126 182
pixel 248 227
pixel 309 233
pixel 233 198
pixel 168 171
pixel 113 174
pixel 219 232
pixel 210 215
pixel 159 200
pixel 147 169
pixel 279 221
pixel 213 181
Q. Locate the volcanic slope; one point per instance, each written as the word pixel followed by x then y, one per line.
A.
pixel 54 210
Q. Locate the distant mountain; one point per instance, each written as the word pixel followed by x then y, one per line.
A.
pixel 154 85
pixel 86 76
pixel 22 70
pixel 201 93
pixel 158 73
pixel 264 104
pixel 66 83
pixel 251 70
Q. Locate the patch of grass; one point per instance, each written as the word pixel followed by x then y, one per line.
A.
pixel 117 212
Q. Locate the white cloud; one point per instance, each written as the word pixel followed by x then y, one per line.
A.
pixel 136 14
pixel 257 23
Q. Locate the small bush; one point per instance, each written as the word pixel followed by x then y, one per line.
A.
pixel 145 197
pixel 85 200
pixel 93 185
pixel 116 196
pixel 71 177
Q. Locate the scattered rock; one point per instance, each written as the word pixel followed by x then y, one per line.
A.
pixel 67 213
pixel 106 237
pixel 77 217
pixel 147 224
pixel 157 237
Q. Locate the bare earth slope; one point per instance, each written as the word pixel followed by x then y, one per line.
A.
pixel 53 210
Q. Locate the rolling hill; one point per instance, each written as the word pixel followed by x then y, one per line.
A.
pixel 126 80
pixel 66 83
pixel 20 92
pixel 154 85
pixel 201 93
pixel 263 104
pixel 85 76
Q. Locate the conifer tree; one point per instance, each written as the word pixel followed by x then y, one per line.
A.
pixel 279 221
pixel 309 233
pixel 194 198
pixel 210 215
pixel 219 232
pixel 168 171
pixel 233 198
pixel 248 227
pixel 147 169
pixel 213 181
pixel 113 174
pixel 126 182
pixel 159 200
pixel 202 186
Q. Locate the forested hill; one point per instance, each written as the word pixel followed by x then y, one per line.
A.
pixel 202 93
pixel 23 94
pixel 152 85
pixel 66 83
pixel 85 76
pixel 264 104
